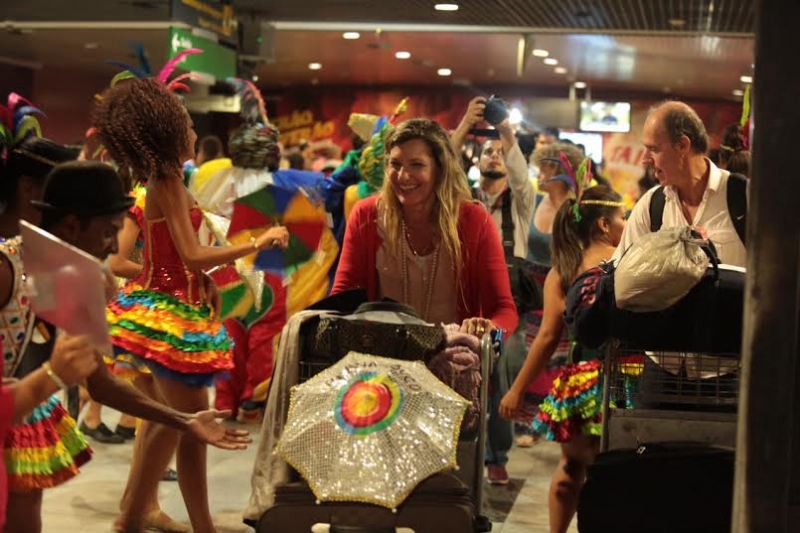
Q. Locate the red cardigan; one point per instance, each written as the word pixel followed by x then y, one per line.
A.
pixel 484 289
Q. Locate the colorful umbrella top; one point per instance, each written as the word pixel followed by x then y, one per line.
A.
pixel 304 217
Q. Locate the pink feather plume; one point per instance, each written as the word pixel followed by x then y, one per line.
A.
pixel 172 64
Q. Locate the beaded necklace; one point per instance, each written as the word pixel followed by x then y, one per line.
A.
pixel 431 277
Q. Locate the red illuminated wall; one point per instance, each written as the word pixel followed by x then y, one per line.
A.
pixel 15 80
pixel 66 97
pixel 316 113
pixel 319 114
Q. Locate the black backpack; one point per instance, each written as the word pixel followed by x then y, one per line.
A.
pixel 737 205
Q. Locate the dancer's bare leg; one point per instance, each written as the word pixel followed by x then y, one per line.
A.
pixel 157 444
pixel 92 416
pixel 568 479
pixel 24 512
pixel 152 515
pixel 191 457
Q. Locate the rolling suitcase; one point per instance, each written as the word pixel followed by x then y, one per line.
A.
pixel 659 488
pixel 440 503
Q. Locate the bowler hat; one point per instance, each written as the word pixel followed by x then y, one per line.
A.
pixel 85 188
pixel 37 156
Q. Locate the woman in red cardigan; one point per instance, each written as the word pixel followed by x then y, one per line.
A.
pixel 424 242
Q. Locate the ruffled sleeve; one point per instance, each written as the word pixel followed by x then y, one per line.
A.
pixel 136 211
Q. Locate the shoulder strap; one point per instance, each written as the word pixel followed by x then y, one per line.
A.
pixel 657 202
pixel 507 225
pixel 737 204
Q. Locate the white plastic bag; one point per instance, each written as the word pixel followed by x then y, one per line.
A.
pixel 659 269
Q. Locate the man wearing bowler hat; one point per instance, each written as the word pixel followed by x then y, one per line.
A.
pixel 84 204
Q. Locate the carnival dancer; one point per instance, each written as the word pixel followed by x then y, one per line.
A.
pixel 126 264
pixel 165 317
pixel 586 231
pixel 79 204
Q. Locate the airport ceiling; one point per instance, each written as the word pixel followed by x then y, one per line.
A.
pixel 705 16
pixel 689 47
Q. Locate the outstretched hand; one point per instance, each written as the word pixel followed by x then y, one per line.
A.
pixel 205 426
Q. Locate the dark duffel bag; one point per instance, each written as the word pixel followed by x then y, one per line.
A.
pixel 386 329
pixel 707 319
pixel 440 503
pixel 659 488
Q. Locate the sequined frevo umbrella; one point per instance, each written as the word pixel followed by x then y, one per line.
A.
pixel 369 429
pixel 304 218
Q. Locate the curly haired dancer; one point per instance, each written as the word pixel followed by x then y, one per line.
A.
pixel 165 317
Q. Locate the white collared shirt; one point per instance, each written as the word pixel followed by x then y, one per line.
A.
pixel 713 216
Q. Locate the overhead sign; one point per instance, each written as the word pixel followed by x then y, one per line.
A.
pixel 216 60
pixel 210 15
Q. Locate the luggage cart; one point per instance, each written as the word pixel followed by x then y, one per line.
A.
pixel 667 396
pixel 667 443
pixel 470 453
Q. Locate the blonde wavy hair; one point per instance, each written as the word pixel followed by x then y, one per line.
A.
pixel 451 187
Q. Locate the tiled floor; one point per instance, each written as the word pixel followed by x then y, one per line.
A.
pixel 88 504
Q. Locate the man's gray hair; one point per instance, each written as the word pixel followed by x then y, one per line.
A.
pixel 678 120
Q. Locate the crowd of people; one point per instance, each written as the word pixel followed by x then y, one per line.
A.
pixel 426 238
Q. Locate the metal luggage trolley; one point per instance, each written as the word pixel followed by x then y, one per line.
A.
pixel 470 455
pixel 653 396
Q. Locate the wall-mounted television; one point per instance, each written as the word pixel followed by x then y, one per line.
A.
pixel 605 116
pixel 592 142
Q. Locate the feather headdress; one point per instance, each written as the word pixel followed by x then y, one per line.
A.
pixel 584 176
pixel 143 70
pixel 253 109
pixel 571 180
pixel 255 144
pixel 371 166
pixel 744 121
pixel 17 122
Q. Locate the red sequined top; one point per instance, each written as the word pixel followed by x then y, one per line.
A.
pixel 163 269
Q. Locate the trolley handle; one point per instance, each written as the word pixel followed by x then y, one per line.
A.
pixel 332 528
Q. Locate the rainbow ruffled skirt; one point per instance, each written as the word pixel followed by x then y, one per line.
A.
pixel 46 450
pixel 173 338
pixel 574 405
pixel 125 366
